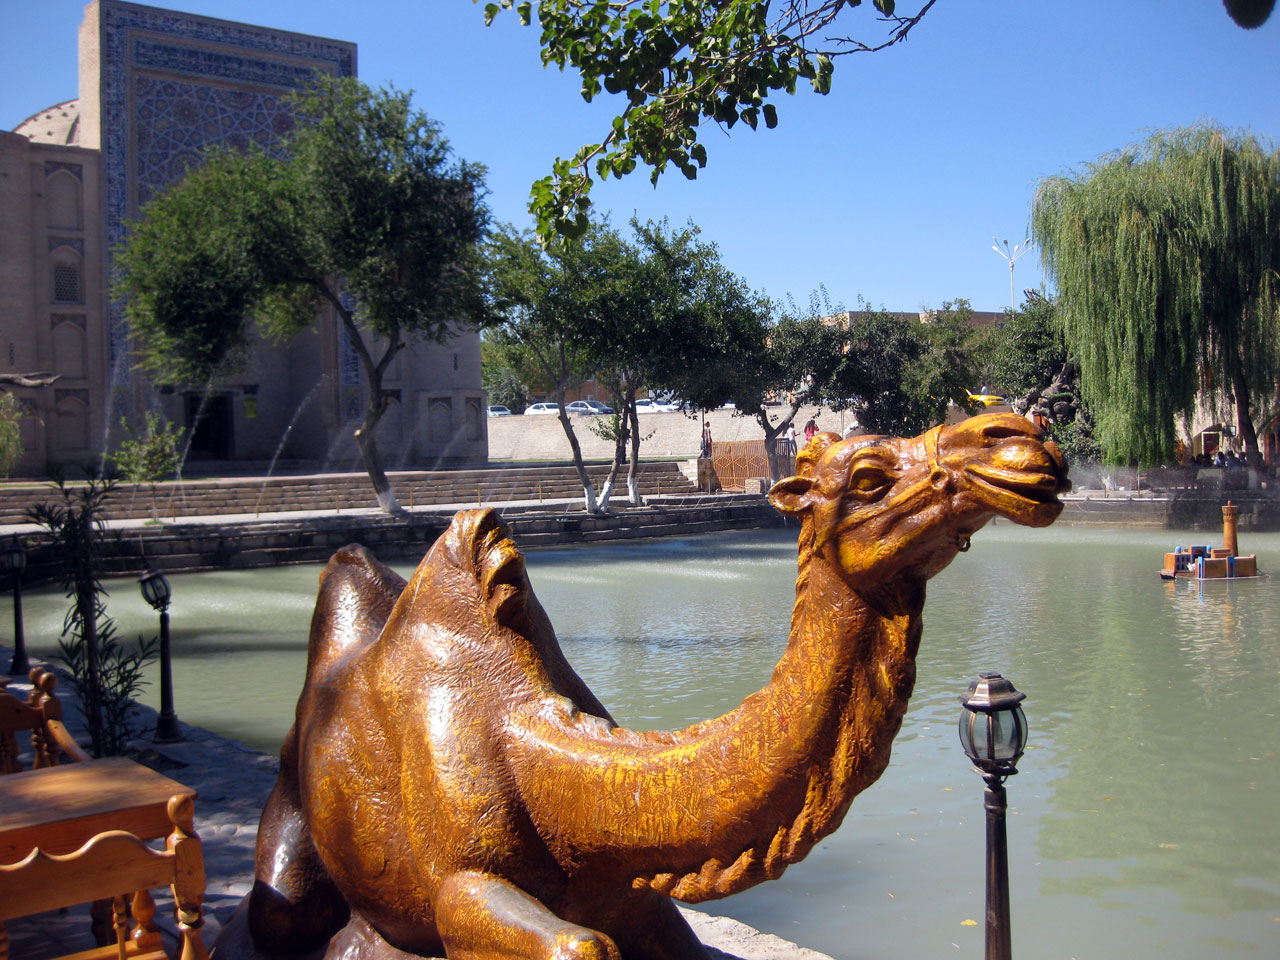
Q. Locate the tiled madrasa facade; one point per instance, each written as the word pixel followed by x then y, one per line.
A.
pixel 156 88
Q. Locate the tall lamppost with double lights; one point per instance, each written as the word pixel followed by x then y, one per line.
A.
pixel 1012 256
pixel 155 590
pixel 15 561
pixel 993 732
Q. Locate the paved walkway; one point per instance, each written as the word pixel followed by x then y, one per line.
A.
pixel 233 783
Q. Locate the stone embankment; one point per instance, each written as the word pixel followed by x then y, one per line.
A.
pixel 239 542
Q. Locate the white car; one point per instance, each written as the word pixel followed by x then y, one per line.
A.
pixel 498 410
pixel 650 405
pixel 593 407
pixel 537 408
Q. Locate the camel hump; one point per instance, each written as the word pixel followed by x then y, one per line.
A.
pixel 479 545
pixel 356 595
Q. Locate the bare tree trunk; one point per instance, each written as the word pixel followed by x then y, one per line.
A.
pixel 87 604
pixel 771 434
pixel 633 470
pixel 368 445
pixel 584 478
pixel 378 400
pixel 1244 422
pixel 620 438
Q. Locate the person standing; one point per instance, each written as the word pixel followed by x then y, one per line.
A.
pixel 810 429
pixel 706 440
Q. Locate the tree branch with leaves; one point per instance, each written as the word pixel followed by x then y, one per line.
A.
pixel 681 64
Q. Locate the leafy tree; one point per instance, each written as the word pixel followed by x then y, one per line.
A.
pixel 1025 350
pixel 549 300
pixel 150 456
pixel 681 323
pixel 499 377
pixel 660 313
pixel 1165 258
pixel 11 413
pixel 797 362
pixel 679 64
pixel 875 376
pixel 364 210
pixel 947 370
pixel 897 374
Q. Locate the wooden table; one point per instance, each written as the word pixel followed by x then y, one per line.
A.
pixel 59 809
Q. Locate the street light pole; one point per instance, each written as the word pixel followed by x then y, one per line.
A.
pixel 993 732
pixel 15 561
pixel 999 946
pixel 1012 256
pixel 155 590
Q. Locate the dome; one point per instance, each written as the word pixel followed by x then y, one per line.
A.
pixel 57 124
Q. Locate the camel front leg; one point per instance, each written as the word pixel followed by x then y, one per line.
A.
pixel 483 917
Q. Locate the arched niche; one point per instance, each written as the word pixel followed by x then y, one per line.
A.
pixel 69 347
pixel 62 201
pixel 70 432
pixel 440 420
pixel 473 419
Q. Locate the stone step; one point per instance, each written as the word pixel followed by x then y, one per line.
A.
pixel 347 492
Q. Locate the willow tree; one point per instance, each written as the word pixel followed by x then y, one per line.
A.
pixel 1165 257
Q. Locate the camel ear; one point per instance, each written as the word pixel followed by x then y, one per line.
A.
pixel 791 495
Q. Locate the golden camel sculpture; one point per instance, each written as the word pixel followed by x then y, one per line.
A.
pixel 451 787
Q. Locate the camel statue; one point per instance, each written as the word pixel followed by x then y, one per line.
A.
pixel 451 787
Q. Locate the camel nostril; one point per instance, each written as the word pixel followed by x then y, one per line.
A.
pixel 1056 455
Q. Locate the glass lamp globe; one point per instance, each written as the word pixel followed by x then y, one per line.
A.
pixel 155 589
pixel 15 557
pixel 993 728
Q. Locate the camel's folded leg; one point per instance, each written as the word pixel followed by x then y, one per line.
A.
pixel 482 917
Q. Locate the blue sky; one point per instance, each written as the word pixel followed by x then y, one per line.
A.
pixel 890 188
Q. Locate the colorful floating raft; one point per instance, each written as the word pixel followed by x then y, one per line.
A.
pixel 1212 563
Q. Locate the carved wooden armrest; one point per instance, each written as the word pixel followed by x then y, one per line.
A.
pixel 62 741
pixel 54 740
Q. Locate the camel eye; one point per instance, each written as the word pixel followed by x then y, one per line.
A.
pixel 869 482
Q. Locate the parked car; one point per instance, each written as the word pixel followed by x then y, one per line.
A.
pixel 498 410
pixel 594 407
pixel 650 405
pixel 537 408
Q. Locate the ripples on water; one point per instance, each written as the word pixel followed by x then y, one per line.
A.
pixel 1143 819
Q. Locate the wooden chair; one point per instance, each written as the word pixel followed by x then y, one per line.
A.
pixel 117 861
pixel 41 717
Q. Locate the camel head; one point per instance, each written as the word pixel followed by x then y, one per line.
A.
pixel 885 510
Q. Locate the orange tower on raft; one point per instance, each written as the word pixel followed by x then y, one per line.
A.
pixel 1212 563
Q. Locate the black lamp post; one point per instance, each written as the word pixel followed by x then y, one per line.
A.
pixel 993 732
pixel 15 561
pixel 155 590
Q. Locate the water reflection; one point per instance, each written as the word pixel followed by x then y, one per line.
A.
pixel 1142 823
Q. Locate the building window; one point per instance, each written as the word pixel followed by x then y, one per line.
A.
pixel 66 280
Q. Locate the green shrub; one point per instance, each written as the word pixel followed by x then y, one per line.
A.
pixel 11 413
